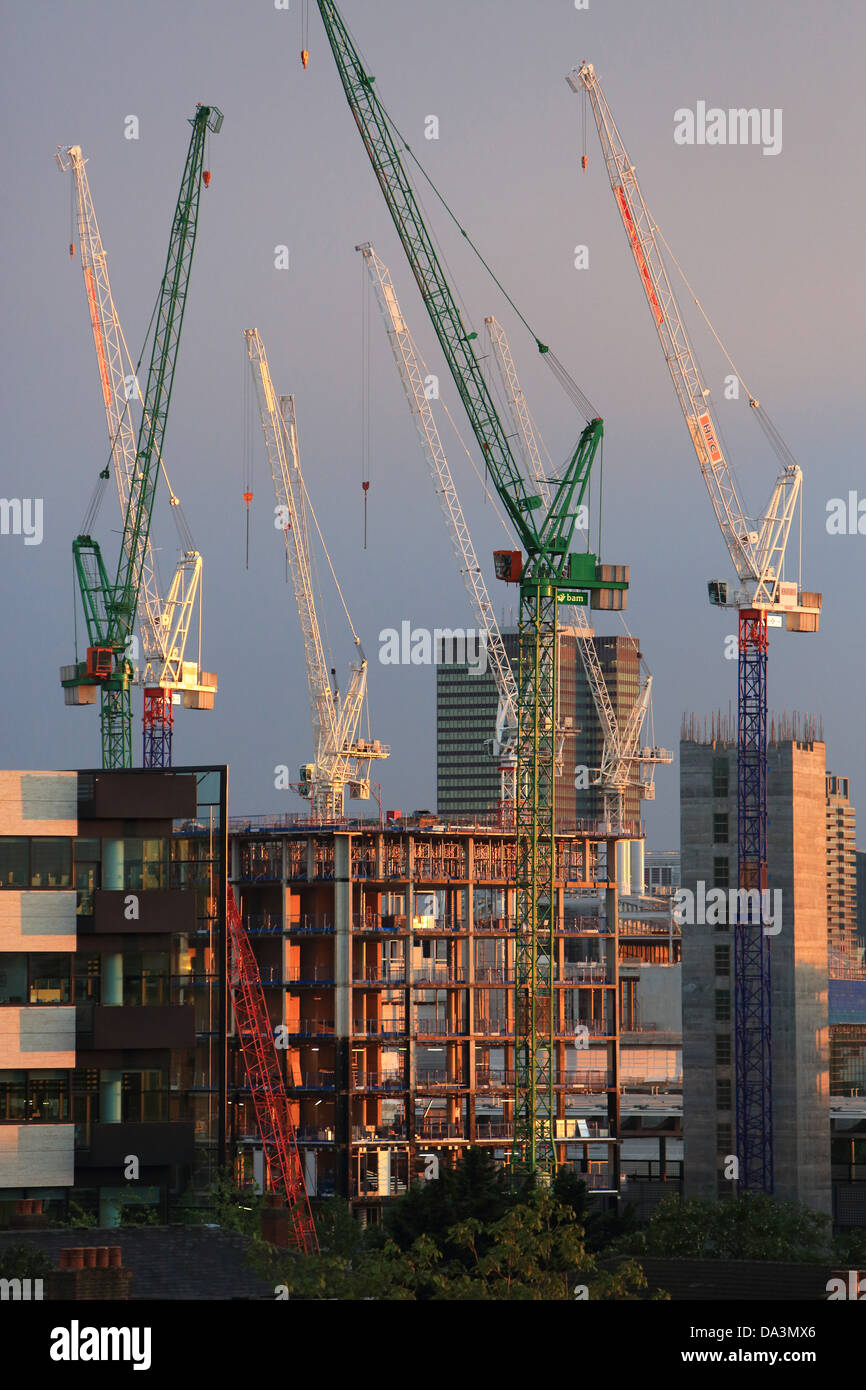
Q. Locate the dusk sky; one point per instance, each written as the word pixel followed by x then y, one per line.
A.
pixel 771 243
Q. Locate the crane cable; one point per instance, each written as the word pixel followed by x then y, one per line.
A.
pixel 306 497
pixel 777 443
pixel 562 376
pixel 365 392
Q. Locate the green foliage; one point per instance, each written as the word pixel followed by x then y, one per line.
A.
pixel 77 1218
pixel 849 1248
pixel 24 1261
pixel 135 1214
pixel 465 1236
pixel 752 1226
pixel 235 1208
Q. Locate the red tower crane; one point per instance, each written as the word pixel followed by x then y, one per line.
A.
pixel 284 1172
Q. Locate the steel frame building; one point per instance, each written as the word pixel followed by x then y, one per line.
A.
pixel 388 959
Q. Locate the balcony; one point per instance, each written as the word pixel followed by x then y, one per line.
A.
pixel 494 1028
pixel 494 1129
pixel 373 978
pixel 430 973
pixel 437 1078
pixel 365 1134
pixel 311 924
pixel 378 922
pixel 314 1081
pixel 379 1027
pixel 494 1079
pixel 439 1028
pixel 264 924
pixel 378 1081
pixel 493 975
pixel 310 1027
pixel 310 975
pixel 439 1129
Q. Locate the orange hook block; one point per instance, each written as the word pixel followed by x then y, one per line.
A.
pixel 205 178
pixel 584 162
pixel 72 248
pixel 305 57
pixel 248 497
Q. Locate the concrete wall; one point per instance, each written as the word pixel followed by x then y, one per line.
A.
pixel 659 997
pixel 43 921
pixel 40 1155
pixel 36 1037
pixel 38 803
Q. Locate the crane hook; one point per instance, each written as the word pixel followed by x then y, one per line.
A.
pixel 305 57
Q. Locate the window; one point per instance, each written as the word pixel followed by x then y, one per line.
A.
pixel 146 977
pixel 724 1139
pixel 41 862
pixel 723 1006
pixel 720 777
pixel 723 960
pixel 33 1097
pixel 13 978
pixel 51 863
pixel 14 862
pixel 720 828
pixel 723 1093
pixel 49 979
pixel 34 979
pixel 723 1049
pixel 721 871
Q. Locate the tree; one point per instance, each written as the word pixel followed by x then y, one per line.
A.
pixel 24 1261
pixel 465 1236
pixel 751 1226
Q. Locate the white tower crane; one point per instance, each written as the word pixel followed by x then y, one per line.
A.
pixel 625 763
pixel 342 756
pixel 164 625
pixel 408 366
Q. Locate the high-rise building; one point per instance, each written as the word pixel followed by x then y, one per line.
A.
pixel 466 705
pixel 861 898
pixel 112 988
pixel 797 882
pixel 841 867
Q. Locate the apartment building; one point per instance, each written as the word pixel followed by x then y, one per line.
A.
pixel 112 988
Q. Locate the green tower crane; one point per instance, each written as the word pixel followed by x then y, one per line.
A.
pixel 110 608
pixel 548 574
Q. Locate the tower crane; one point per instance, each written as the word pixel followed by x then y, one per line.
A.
pixel 622 755
pixel 406 358
pixel 111 607
pixel 284 1173
pixel 342 756
pixel 549 576
pixel 625 762
pixel 164 624
pixel 763 598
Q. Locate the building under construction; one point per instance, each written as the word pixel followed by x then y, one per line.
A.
pixel 387 957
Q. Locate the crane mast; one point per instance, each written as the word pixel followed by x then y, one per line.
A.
pixel 764 597
pixel 341 756
pixel 549 576
pixel 110 608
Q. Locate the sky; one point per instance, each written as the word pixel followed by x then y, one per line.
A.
pixel 771 244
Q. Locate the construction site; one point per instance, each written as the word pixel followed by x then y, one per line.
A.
pixel 339 1002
